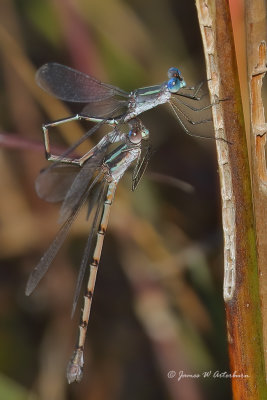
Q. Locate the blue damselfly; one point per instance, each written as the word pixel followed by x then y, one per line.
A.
pixel 107 104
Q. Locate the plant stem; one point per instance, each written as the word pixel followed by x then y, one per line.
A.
pixel 241 285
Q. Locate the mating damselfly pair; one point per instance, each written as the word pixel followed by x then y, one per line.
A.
pixel 94 176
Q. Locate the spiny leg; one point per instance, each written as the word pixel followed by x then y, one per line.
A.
pixel 48 154
pixel 141 164
pixel 187 131
pixel 194 96
pixel 197 109
pixel 78 117
pixel 174 107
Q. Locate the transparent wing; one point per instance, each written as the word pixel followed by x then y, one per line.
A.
pixel 70 85
pixel 80 183
pixel 44 263
pixel 109 108
pixel 52 184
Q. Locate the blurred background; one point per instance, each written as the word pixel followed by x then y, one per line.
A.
pixel 158 301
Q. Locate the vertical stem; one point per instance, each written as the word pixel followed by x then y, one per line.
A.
pixel 241 288
pixel 256 56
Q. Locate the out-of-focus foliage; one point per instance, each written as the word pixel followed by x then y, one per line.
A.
pixel 158 303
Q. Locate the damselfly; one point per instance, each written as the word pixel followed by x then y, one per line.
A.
pixel 112 105
pixel 95 180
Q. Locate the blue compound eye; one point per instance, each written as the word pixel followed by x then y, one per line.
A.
pixel 135 136
pixel 174 73
pixel 174 85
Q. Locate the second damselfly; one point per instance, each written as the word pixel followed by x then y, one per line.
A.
pixel 95 182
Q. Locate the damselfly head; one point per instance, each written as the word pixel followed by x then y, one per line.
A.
pixel 135 136
pixel 174 84
pixel 176 81
pixel 174 72
pixel 138 131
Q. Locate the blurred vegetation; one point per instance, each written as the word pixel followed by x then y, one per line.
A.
pixel 158 300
